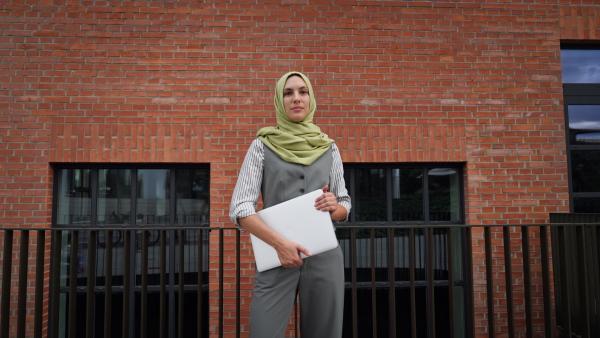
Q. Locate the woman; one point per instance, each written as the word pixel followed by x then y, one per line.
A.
pixel 285 162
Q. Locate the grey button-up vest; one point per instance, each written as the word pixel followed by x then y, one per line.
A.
pixel 283 180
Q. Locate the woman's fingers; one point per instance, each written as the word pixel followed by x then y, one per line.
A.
pixel 289 255
pixel 327 201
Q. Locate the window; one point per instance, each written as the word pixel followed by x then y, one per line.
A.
pixel 388 201
pixel 424 194
pixel 581 76
pixel 129 195
pixel 93 199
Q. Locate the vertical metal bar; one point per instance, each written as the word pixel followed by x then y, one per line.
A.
pixel 221 280
pixel 470 306
pixel 490 281
pixel 72 312
pixel 128 296
pixel 582 275
pixel 450 257
pixel 595 280
pixel 527 279
pixel 354 291
pixel 91 285
pixel 144 286
pixel 180 286
pixel 413 295
pixel 170 321
pixel 39 283
pixel 55 256
pixel 546 281
pixel 200 318
pixel 392 276
pixel 170 284
pixel 430 285
pixel 6 278
pixel 509 283
pixel 296 315
pixel 373 286
pixel 108 267
pixel 565 278
pixel 163 282
pixel 238 283
pixel 22 283
pixel 131 257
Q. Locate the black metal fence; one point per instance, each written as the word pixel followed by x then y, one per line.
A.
pixel 421 281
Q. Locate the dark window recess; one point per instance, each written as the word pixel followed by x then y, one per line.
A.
pixel 581 89
pixel 131 196
pixel 396 194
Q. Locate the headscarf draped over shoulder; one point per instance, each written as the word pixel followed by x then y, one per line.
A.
pixel 297 142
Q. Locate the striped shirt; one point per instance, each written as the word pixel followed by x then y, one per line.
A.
pixel 247 189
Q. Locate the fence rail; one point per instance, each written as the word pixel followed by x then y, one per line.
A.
pixel 418 281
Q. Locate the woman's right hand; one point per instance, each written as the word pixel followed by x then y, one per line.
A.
pixel 289 253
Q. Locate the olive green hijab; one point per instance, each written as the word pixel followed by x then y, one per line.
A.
pixel 297 142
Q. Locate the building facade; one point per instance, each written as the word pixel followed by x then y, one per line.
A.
pixel 179 88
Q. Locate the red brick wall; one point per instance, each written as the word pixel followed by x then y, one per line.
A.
pixel 191 81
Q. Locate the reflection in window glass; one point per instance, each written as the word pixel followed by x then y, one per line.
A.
pixel 580 66
pixel 444 201
pixel 192 198
pixel 152 203
pixel 585 165
pixel 74 196
pixel 114 196
pixel 584 124
pixel 407 194
pixel 370 195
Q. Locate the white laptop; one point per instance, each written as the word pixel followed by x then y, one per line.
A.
pixel 297 220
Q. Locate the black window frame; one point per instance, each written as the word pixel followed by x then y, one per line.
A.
pixel 349 169
pixel 95 167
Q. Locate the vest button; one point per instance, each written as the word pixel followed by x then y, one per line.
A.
pixel 302 191
pixel 302 177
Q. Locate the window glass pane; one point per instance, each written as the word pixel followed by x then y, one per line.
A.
pixel 74 196
pixel 114 196
pixel 370 195
pixel 407 194
pixel 584 124
pixel 444 195
pixel 580 66
pixel 152 203
pixel 192 196
pixel 586 205
pixel 585 165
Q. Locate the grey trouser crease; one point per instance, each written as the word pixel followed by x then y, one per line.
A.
pixel 320 285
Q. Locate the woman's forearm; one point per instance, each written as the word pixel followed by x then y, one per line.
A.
pixel 258 228
pixel 339 214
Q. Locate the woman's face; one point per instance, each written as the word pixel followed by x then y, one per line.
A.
pixel 296 98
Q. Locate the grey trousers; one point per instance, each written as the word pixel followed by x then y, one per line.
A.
pixel 320 285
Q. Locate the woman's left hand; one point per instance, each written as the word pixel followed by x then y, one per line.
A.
pixel 327 201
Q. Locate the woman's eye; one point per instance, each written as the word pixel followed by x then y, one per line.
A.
pixel 287 93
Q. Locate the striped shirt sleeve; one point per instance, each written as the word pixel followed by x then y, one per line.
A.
pixel 247 189
pixel 337 185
